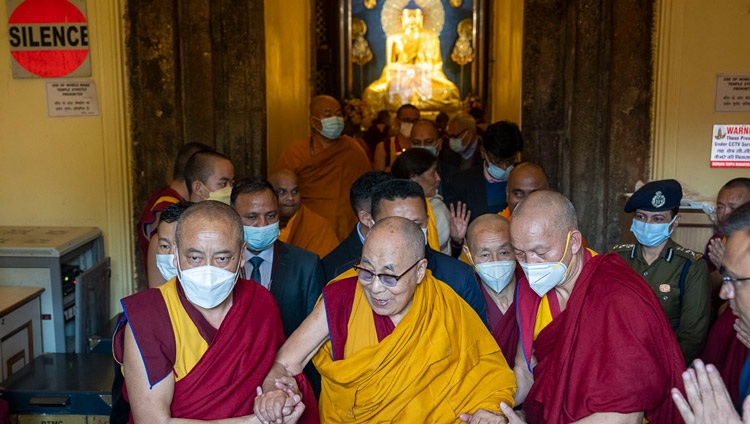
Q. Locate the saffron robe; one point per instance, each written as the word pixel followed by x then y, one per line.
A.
pixel 159 201
pixel 325 177
pixel 439 362
pixel 611 350
pixel 216 370
pixel 726 352
pixel 309 231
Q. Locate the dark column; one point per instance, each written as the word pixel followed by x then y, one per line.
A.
pixel 586 103
pixel 197 73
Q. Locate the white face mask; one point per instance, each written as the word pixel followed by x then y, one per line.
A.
pixel 545 276
pixel 207 286
pixel 165 263
pixel 405 129
pixel 457 144
pixel 496 275
pixel 424 230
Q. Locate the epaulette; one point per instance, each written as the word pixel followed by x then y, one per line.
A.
pixel 687 253
pixel 623 247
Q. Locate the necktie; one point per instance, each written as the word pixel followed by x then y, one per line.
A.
pixel 255 274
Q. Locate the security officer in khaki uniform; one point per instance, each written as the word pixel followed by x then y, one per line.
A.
pixel 677 275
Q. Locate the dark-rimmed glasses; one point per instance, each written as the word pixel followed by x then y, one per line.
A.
pixel 388 280
pixel 727 279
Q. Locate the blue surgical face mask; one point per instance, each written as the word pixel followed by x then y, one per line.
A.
pixel 261 238
pixel 332 127
pixel 496 275
pixel 651 235
pixel 498 173
pixel 431 149
pixel 457 144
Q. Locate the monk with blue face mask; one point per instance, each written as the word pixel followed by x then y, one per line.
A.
pixel 677 275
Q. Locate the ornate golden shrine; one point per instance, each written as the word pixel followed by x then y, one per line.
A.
pixel 413 72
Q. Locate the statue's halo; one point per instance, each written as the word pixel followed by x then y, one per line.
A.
pixel 432 10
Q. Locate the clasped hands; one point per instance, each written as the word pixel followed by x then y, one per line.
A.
pixel 283 405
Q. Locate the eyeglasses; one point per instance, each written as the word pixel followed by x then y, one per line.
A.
pixel 388 280
pixel 460 133
pixel 727 279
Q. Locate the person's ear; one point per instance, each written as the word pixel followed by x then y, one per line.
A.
pixel 315 123
pixel 364 218
pixel 421 270
pixel 576 241
pixel 198 188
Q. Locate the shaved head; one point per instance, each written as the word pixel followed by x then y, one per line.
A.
pixel 550 209
pixel 320 104
pixel 487 223
pixel 524 179
pixel 397 231
pixel 286 186
pixel 208 213
pixel 282 175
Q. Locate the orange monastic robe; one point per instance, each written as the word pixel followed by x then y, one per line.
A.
pixel 439 362
pixel 325 176
pixel 309 231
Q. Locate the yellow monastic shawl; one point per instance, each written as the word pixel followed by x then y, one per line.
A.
pixel 432 233
pixel 439 362
pixel 309 231
pixel 544 313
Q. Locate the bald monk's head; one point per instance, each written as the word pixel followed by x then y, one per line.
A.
pixel 285 184
pixel 206 173
pixel 525 178
pixel 209 234
pixel 326 118
pixel 544 229
pixel 488 239
pixel 392 266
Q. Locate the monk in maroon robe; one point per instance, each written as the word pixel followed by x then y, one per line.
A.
pixel 200 346
pixel 599 346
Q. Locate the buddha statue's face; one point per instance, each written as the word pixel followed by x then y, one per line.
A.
pixel 412 20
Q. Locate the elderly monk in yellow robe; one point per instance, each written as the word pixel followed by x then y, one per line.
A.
pixel 395 344
pixel 327 164
pixel 299 225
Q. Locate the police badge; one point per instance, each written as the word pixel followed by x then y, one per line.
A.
pixel 658 200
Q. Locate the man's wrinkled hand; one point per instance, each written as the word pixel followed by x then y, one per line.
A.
pixel 276 405
pixel 707 398
pixel 716 251
pixel 743 333
pixel 513 417
pixel 483 416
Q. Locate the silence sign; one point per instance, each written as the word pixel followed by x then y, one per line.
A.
pixel 49 38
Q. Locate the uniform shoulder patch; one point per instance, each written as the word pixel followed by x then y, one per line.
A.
pixel 622 247
pixel 687 253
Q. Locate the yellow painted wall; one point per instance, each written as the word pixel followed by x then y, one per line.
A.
pixel 506 49
pixel 696 41
pixel 70 171
pixel 288 41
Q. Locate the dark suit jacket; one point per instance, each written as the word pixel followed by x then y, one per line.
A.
pixel 469 187
pixel 460 277
pixel 346 254
pixel 451 162
pixel 296 283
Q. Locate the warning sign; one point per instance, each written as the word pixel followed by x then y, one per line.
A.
pixel 732 93
pixel 730 146
pixel 72 98
pixel 49 38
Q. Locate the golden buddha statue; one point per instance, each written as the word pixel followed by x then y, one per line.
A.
pixel 414 68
